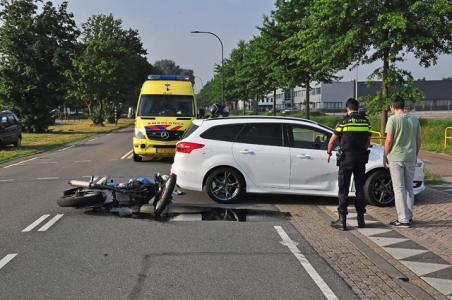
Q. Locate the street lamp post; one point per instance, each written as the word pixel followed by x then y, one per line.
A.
pixel 222 61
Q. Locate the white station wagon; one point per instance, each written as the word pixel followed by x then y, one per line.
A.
pixel 227 157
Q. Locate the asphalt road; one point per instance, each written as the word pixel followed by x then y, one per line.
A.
pixel 48 252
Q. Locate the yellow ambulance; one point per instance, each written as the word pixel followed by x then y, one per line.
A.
pixel 166 108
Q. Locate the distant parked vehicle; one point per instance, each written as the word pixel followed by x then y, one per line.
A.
pixel 288 110
pixel 10 129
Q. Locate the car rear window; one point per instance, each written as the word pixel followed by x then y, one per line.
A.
pixel 269 134
pixel 190 130
pixel 227 133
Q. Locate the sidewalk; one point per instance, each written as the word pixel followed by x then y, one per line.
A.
pixel 365 266
pixel 380 262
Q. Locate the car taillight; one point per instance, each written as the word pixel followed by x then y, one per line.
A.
pixel 187 147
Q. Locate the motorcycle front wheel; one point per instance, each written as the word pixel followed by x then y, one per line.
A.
pixel 165 195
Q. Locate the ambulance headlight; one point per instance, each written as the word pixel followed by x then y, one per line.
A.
pixel 139 134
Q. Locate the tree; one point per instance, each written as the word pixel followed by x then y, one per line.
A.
pixel 237 75
pixel 364 32
pixel 236 79
pixel 210 92
pixel 294 45
pixel 109 67
pixel 270 57
pixel 169 67
pixel 36 44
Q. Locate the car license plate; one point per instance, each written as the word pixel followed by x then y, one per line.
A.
pixel 165 150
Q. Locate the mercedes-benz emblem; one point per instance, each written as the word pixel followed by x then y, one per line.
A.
pixel 165 135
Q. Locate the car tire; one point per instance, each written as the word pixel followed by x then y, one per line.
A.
pixel 81 199
pixel 18 142
pixel 225 185
pixel 136 157
pixel 165 195
pixel 378 189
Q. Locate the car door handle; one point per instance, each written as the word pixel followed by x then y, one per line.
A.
pixel 246 151
pixel 303 156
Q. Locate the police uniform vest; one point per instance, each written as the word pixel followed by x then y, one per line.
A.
pixel 353 132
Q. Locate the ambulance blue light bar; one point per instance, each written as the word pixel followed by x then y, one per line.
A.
pixel 169 77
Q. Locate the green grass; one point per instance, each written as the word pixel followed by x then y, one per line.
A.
pixel 431 178
pixel 59 135
pixel 433 135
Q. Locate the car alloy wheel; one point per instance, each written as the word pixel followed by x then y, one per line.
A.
pixel 224 185
pixel 378 189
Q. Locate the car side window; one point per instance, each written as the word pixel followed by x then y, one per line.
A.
pixel 11 119
pixel 308 138
pixel 269 134
pixel 227 133
pixel 189 131
pixel 3 120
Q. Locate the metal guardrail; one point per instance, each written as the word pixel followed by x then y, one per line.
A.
pixel 447 137
pixel 376 135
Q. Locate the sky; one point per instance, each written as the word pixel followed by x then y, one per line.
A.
pixel 165 25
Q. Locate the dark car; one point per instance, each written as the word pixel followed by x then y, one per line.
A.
pixel 10 129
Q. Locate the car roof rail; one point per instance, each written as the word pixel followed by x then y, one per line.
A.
pixel 271 117
pixel 265 117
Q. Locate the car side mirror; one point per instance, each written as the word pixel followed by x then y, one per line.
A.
pixel 201 113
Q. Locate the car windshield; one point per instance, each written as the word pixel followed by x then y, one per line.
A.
pixel 166 106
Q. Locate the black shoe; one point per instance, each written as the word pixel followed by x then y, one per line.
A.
pixel 361 223
pixel 340 223
pixel 396 223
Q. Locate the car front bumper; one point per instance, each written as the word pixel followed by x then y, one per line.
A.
pixel 145 147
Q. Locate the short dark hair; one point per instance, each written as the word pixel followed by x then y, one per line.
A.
pixel 352 104
pixel 398 102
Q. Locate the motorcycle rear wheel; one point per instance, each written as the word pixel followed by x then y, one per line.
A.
pixel 165 195
pixel 81 199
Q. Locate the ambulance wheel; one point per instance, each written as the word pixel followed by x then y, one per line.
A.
pixel 136 157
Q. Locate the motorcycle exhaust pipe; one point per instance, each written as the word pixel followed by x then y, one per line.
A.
pixel 80 183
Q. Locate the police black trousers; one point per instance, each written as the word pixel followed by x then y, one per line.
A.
pixel 356 166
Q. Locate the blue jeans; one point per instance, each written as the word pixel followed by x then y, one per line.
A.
pixel 402 173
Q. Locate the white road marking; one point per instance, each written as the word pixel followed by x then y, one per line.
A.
pixel 47 178
pixel 82 161
pixel 19 163
pixel 51 222
pixel 92 140
pixel 287 241
pixel 65 148
pixel 6 259
pixel 402 253
pixel 130 156
pixel 6 180
pixel 35 223
pixel 127 154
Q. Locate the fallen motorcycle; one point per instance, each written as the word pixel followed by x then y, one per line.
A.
pixel 138 195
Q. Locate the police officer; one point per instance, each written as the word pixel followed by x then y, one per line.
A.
pixel 353 132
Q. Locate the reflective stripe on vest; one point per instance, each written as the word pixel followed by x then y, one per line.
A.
pixel 355 127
